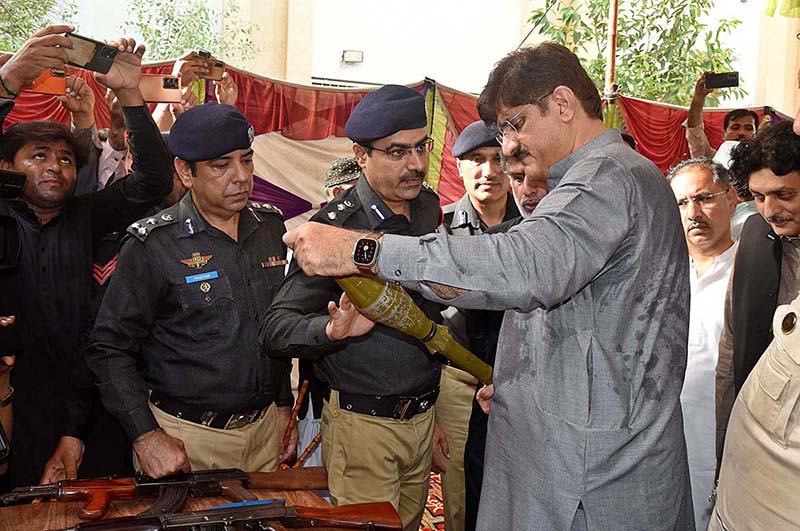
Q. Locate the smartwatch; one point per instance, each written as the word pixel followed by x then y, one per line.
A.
pixel 365 253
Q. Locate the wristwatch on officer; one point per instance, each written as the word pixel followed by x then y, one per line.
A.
pixel 365 253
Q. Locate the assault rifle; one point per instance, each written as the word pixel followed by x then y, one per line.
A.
pixel 170 491
pixel 262 515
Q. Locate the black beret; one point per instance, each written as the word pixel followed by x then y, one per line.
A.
pixel 209 131
pixel 475 135
pixel 382 113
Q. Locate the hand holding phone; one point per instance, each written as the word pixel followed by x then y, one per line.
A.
pixel 214 67
pixel 45 50
pixel 51 81
pixel 125 73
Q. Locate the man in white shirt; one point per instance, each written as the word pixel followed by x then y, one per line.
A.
pixel 706 200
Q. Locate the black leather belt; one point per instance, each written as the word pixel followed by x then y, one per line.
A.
pixel 214 419
pixel 389 406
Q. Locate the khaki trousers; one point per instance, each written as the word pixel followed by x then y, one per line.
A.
pixel 252 448
pixel 453 409
pixel 761 464
pixel 378 459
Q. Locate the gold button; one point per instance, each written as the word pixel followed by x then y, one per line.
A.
pixel 789 320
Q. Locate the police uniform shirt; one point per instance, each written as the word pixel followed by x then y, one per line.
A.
pixel 185 302
pixel 54 279
pixel 461 217
pixel 382 362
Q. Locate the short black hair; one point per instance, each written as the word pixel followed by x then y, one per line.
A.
pixel 740 113
pixel 528 74
pixel 21 134
pixel 776 147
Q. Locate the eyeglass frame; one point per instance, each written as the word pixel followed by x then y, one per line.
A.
pixel 701 199
pixel 427 143
pixel 502 134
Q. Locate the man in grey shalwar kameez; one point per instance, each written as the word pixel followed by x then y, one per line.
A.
pixel 585 428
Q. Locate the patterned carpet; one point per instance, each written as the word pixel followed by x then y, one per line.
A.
pixel 433 519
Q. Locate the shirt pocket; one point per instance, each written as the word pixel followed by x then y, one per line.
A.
pixel 770 395
pixel 209 308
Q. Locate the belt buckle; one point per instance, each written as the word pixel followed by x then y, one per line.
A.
pixel 239 420
pixel 401 408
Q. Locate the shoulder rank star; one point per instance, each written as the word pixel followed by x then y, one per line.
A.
pixel 197 260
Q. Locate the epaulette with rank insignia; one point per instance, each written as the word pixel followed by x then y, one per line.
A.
pixel 338 210
pixel 142 228
pixel 264 208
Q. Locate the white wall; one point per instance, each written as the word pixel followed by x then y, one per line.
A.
pixel 456 42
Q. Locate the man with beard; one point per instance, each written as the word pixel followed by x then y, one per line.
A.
pixel 706 200
pixel 378 419
pixel 486 203
pixel 765 272
pixel 586 429
pixel 175 347
pixel 739 124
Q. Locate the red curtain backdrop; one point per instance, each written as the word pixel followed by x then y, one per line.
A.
pixel 658 132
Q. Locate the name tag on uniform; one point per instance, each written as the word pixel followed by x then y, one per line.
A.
pixel 201 277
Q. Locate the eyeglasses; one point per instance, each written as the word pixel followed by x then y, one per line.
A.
pixel 699 200
pixel 510 128
pixel 397 154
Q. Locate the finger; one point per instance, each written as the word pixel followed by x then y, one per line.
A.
pixel 51 41
pixel 56 28
pixel 71 469
pixel 333 310
pixel 290 238
pixel 140 50
pixel 7 320
pixel 8 361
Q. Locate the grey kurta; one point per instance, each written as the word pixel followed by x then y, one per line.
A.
pixel 592 354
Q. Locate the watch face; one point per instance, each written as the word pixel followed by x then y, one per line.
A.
pixel 364 253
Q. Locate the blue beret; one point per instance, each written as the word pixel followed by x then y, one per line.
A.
pixel 382 113
pixel 475 135
pixel 209 131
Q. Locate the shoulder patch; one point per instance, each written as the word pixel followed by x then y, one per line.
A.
pixel 142 228
pixel 265 208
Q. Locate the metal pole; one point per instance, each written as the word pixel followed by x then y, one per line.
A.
pixel 611 60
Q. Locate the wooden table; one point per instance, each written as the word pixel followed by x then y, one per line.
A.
pixel 60 515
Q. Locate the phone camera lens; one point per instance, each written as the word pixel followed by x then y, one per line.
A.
pixel 109 53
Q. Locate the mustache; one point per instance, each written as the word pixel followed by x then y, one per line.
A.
pixel 697 224
pixel 413 175
pixel 779 219
pixel 519 152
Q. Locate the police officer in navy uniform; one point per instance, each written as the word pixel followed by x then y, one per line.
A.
pixel 487 201
pixel 191 286
pixel 377 422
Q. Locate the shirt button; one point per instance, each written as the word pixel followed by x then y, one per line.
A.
pixel 397 272
pixel 789 321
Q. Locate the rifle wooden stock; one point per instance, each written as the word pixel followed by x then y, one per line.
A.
pixel 311 478
pixel 378 516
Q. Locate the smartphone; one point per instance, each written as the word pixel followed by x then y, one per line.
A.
pixel 722 80
pixel 11 184
pixel 52 81
pixel 215 67
pixel 156 88
pixel 90 54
